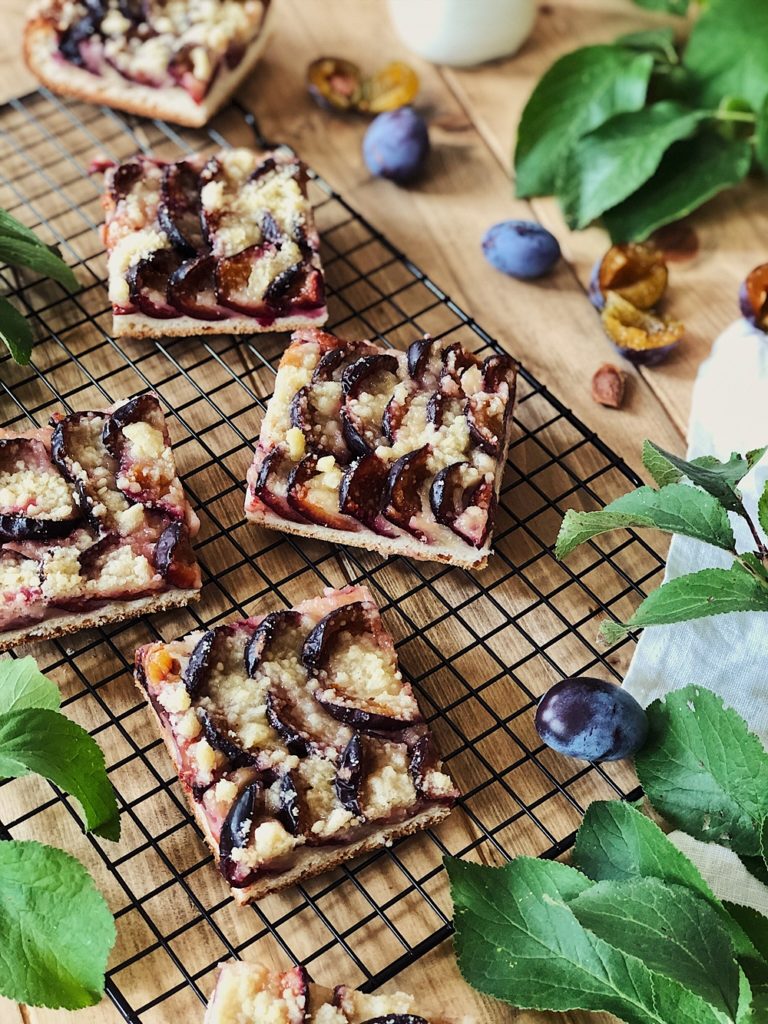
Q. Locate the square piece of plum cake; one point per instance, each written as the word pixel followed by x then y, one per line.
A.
pixel 398 452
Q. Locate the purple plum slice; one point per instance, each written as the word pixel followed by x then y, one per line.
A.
pixel 497 370
pixel 220 738
pixel 271 629
pixel 179 209
pixel 237 830
pixel 301 724
pixel 289 814
pixel 144 408
pixel 333 362
pixel 365 376
pixel 125 177
pixel 314 424
pixel 457 360
pixel 14 523
pixel 349 776
pixel 362 491
pixel 233 275
pixel 148 284
pixel 425 357
pixel 402 493
pixel 455 490
pixel 174 557
pixel 486 417
pixel 352 618
pixel 69 434
pixel 192 289
pixel 300 498
pixel 273 474
pixel 203 656
pixel 270 229
pixel 393 417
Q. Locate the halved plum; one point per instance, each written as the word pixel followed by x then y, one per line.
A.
pixel 32 455
pixel 203 657
pixel 499 369
pixel 308 496
pixel 271 630
pixel 192 289
pixel 174 557
pixel 143 408
pixel 272 483
pixel 349 776
pixel 178 211
pixel 316 410
pixel 299 286
pixel 461 499
pixel 425 359
pixel 394 414
pixel 354 618
pixel 402 493
pixel 233 276
pixel 336 359
pixel 125 177
pixel 369 376
pixel 362 492
pixel 148 283
pixel 237 830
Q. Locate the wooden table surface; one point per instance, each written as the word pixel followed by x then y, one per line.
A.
pixel 439 223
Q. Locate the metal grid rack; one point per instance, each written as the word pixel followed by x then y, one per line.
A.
pixel 479 648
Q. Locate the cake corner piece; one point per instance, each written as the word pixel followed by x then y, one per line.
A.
pixel 399 452
pixel 291 764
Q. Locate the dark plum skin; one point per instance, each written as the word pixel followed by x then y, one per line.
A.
pixel 396 145
pixel 192 289
pixel 397 1018
pixel 198 666
pixel 289 814
pixel 362 491
pixel 521 248
pixel 350 618
pixel 402 493
pixel 591 719
pixel 148 283
pixel 266 632
pixel 179 208
pixel 273 463
pixel 219 737
pixel 349 776
pixel 234 833
pixel 174 558
pixel 144 408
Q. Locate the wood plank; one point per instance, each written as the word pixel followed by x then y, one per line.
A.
pixel 731 229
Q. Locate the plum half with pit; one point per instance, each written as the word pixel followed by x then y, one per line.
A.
pixel 591 719
pixel 637 272
pixel 521 248
pixel 753 297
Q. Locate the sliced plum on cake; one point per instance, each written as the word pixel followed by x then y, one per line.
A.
pixel 94 523
pixel 211 244
pixel 397 452
pixel 296 738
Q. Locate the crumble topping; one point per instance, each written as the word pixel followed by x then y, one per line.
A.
pixel 291 756
pixel 212 238
pixel 35 493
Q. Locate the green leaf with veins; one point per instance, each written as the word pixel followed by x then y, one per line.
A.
pixel 660 40
pixel 517 939
pixel 690 173
pixel 762 509
pixel 754 925
pixel 660 468
pixel 720 479
pixel 15 332
pixel 727 51
pixel 761 136
pixel 704 771
pixel 694 596
pixel 56 927
pixel 614 160
pixel 616 842
pixel 581 91
pixel 23 685
pixel 675 508
pixel 673 931
pixel 44 741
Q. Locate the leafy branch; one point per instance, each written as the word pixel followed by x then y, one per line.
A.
pixel 57 927
pixel 641 132
pixel 702 512
pixel 633 928
pixel 20 247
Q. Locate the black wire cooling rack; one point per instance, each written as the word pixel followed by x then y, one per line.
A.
pixel 479 648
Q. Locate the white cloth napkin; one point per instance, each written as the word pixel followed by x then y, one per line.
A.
pixel 725 653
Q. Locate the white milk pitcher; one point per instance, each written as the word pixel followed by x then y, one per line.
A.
pixel 463 32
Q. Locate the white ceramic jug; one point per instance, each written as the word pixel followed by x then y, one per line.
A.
pixel 463 32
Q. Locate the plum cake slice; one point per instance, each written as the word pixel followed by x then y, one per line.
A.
pixel 295 738
pixel 94 524
pixel 210 245
pixel 179 60
pixel 248 993
pixel 397 452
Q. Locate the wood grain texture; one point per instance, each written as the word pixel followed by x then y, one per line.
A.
pixel 439 223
